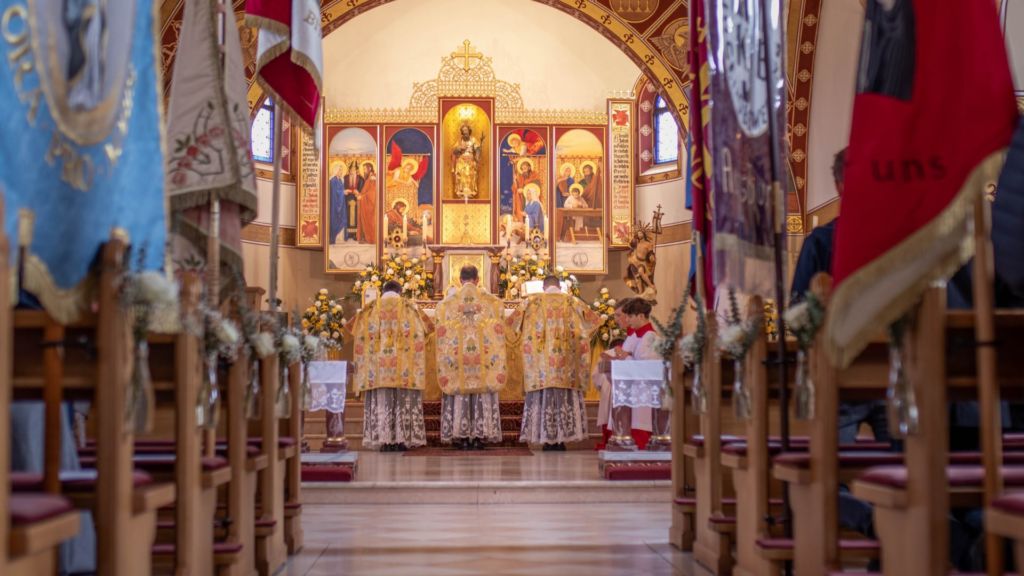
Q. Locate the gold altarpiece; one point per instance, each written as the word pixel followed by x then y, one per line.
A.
pixel 467 174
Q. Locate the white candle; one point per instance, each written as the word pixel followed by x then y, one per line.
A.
pixel 405 224
pixel 526 218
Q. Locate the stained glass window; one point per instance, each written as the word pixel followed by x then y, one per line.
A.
pixel 263 134
pixel 666 134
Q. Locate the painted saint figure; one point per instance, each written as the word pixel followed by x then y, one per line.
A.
pixel 534 210
pixel 466 164
pixel 525 175
pixel 366 231
pixel 338 209
pixel 353 186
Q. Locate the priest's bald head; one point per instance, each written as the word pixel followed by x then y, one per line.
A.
pixel 469 274
pixel 392 286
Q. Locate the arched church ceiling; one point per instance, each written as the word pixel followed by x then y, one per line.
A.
pixel 653 33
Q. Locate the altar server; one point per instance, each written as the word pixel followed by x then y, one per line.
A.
pixel 471 363
pixel 390 337
pixel 554 331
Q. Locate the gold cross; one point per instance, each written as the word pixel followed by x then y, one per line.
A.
pixel 466 54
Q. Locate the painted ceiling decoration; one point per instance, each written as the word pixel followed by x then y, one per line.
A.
pixel 652 33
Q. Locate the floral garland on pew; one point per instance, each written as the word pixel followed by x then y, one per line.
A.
pixel 668 338
pixel 221 342
pixel 417 283
pixel 735 340
pixel 259 344
pixel 803 320
pixel 609 330
pixel 144 294
pixel 517 271
pixel 691 350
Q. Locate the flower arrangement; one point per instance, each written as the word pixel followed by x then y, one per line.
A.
pixel 805 319
pixel 771 316
pixel 517 271
pixel 222 338
pixel 738 334
pixel 691 350
pixel 735 339
pixel 324 318
pixel 609 330
pixel 417 283
pixel 144 293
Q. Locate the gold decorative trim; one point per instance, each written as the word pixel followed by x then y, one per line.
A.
pixel 260 234
pixel 656 177
pixel 675 233
pixel 461 80
pixel 264 174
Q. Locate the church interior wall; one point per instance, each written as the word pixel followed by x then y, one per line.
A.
pixel 558 61
pixel 835 69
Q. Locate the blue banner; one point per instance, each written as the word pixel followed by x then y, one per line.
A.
pixel 81 138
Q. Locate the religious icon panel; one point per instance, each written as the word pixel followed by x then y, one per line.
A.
pixel 352 193
pixel 578 226
pixel 409 212
pixel 524 206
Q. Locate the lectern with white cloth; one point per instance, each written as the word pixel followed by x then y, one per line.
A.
pixel 328 382
pixel 642 384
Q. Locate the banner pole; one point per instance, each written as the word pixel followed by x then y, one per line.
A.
pixel 775 96
pixel 275 212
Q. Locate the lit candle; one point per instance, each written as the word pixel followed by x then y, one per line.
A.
pixel 405 225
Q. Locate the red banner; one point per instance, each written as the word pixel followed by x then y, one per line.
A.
pixel 928 117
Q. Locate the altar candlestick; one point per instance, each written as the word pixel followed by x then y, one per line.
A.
pixel 527 222
pixel 405 225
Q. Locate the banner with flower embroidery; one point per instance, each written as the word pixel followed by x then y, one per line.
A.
pixel 208 141
pixel 471 355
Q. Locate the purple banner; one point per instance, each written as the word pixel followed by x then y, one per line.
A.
pixel 747 109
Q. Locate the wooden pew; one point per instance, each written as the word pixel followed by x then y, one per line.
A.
pixel 32 526
pixel 124 503
pixel 241 494
pixel 293 533
pixel 175 359
pixel 912 501
pixel 713 528
pixel 814 476
pixel 271 550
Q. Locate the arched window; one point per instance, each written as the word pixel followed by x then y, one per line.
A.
pixel 263 133
pixel 666 134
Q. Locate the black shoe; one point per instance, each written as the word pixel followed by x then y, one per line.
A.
pixel 457 444
pixel 478 444
pixel 548 447
pixel 401 447
pixel 385 448
pixel 560 447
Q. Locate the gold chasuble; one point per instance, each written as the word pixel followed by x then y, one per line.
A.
pixel 471 342
pixel 390 340
pixel 554 330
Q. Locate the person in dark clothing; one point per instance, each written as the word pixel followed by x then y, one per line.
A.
pixel 815 257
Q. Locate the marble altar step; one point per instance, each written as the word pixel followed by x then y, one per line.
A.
pixel 543 478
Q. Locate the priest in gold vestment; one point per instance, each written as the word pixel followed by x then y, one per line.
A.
pixel 471 363
pixel 389 342
pixel 554 331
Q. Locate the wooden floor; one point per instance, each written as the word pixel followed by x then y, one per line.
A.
pixel 574 536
